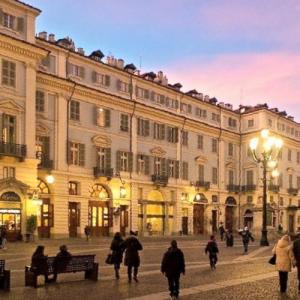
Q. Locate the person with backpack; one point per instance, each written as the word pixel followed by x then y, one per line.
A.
pixel 172 267
pixel 246 237
pixel 213 250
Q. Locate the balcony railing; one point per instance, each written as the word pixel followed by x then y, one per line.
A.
pixel 11 149
pixel 292 191
pixel 100 172
pixel 233 188
pixel 203 184
pixel 160 180
pixel 249 188
pixel 274 188
pixel 46 163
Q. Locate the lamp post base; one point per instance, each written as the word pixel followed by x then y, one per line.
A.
pixel 264 238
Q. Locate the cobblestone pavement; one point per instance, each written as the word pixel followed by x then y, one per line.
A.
pixel 237 276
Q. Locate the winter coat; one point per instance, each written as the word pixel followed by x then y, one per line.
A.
pixel 117 247
pixel 296 251
pixel 173 262
pixel 61 261
pixel 133 246
pixel 221 230
pixel 229 239
pixel 246 236
pixel 211 248
pixel 284 255
pixel 39 264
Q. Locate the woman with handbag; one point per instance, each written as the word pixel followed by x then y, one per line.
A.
pixel 284 261
pixel 117 247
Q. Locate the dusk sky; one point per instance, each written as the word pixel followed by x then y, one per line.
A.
pixel 240 51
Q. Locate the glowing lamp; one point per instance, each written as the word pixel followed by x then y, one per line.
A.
pixel 122 192
pixel 272 164
pixel 50 179
pixel 275 173
pixel 264 133
pixel 253 143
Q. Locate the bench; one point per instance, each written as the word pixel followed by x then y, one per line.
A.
pixel 78 263
pixel 4 277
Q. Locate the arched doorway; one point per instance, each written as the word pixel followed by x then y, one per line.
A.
pixel 100 214
pixel 248 218
pixel 230 206
pixel 198 213
pixel 46 210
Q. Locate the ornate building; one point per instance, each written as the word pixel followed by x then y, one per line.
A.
pixel 87 142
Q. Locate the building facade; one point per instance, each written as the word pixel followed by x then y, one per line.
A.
pixel 87 142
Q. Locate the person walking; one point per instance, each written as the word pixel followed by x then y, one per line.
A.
pixel 117 248
pixel 229 238
pixel 221 231
pixel 172 266
pixel 284 260
pixel 296 252
pixel 61 261
pixel 87 232
pixel 39 264
pixel 132 258
pixel 246 237
pixel 212 249
pixel 3 235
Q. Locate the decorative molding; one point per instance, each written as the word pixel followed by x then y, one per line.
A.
pixel 101 141
pixel 158 151
pixel 290 170
pixel 230 164
pixel 42 129
pixel 250 165
pixel 11 106
pixel 200 159
pixel 12 183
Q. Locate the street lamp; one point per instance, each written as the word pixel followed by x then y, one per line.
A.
pixel 265 150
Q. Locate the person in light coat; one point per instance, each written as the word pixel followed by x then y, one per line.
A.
pixel 284 260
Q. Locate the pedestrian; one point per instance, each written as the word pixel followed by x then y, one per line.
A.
pixel 87 232
pixel 39 264
pixel 296 252
pixel 229 238
pixel 3 236
pixel 117 248
pixel 132 258
pixel 212 249
pixel 280 228
pixel 221 231
pixel 62 259
pixel 246 237
pixel 172 266
pixel 284 260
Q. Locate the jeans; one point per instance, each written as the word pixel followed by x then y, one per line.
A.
pixel 213 258
pixel 129 271
pixel 283 278
pixel 173 282
pixel 245 247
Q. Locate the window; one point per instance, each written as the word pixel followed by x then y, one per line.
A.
pixel 201 113
pixel 76 154
pixel 270 122
pixel 230 177
pixel 159 166
pixel 142 93
pixel 298 182
pixel 250 123
pixel 75 110
pixel 76 71
pixel 143 127
pixel 230 149
pixel 184 196
pixel 9 21
pixel 124 161
pixel 214 175
pixel 185 138
pixel 249 177
pixel 201 173
pixel 185 170
pixel 289 155
pixel 123 86
pixel 298 157
pixel 214 199
pixel 143 164
pixel 9 129
pixel 186 108
pixel 173 168
pixel 215 117
pixel 249 199
pixel 49 63
pixel 159 131
pixel 214 146
pixel 103 159
pixel 100 79
pixel 231 122
pixel 73 188
pixel 280 180
pixel 43 148
pixel 102 117
pixel 290 181
pixel 200 142
pixel 124 124
pixel 40 101
pixel 172 134
pixel 281 201
pixel 9 172
pixel 8 73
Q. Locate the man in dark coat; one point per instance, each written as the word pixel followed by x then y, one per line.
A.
pixel 132 258
pixel 213 250
pixel 172 266
pixel 296 250
pixel 61 261
pixel 222 231
pixel 246 237
pixel 229 238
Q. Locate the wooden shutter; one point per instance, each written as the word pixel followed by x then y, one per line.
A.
pixel 154 130
pixel 118 84
pixel 118 164
pixel 147 164
pixel 46 146
pixel 94 76
pixel 152 96
pixel 169 134
pixel 20 24
pixel 177 169
pixel 107 117
pixel 1 16
pixel 147 127
pixel 130 161
pixel 162 99
pixel 81 154
pixel 137 163
pixel 108 158
pixel 68 152
pixel 163 166
pixel 70 68
pixel 146 94
pixel 162 131
pixel 167 101
pixel 110 216
pixel 107 80
pixel 81 72
pixel 176 104
pixel 168 161
pixel 189 108
pixel 50 215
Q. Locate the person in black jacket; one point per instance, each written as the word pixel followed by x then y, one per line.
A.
pixel 221 231
pixel 212 249
pixel 61 261
pixel 132 258
pixel 229 238
pixel 246 237
pixel 296 250
pixel 39 264
pixel 172 266
pixel 117 248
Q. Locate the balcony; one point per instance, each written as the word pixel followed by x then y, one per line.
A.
pixel 46 163
pixel 160 180
pixel 292 191
pixel 10 149
pixel 203 184
pixel 249 188
pixel 100 172
pixel 233 188
pixel 274 188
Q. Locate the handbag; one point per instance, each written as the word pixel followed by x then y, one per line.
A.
pixel 109 259
pixel 272 260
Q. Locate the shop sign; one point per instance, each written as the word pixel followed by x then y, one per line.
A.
pixel 9 211
pixel 10 196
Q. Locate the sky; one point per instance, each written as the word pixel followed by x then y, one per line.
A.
pixel 239 51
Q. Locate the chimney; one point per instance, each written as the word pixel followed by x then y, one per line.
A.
pixel 80 50
pixel 43 35
pixel 199 96
pixel 206 98
pixel 228 106
pixel 164 80
pixel 120 63
pixel 51 38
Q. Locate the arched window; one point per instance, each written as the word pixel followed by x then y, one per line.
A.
pixel 230 201
pixel 99 191
pixel 43 187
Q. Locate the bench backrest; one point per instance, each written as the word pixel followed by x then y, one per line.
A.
pixel 2 266
pixel 77 263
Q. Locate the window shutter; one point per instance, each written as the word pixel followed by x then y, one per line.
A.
pixel 94 76
pixel 147 164
pixel 176 135
pixel 20 24
pixel 137 163
pixel 167 101
pixel 118 84
pixel 176 104
pixel 189 108
pixel 147 127
pixel 46 146
pixel 130 161
pixel 82 72
pixel 146 94
pixel 162 99
pixel 162 131
pixel 1 16
pixel 107 117
pixel 169 134
pixel 50 215
pixel 152 96
pixel 164 167
pixel 46 61
pixel 154 130
pixel 118 164
pixel 68 152
pixel 108 158
pixel 110 217
pixel 70 69
pixel 139 126
pixel 107 80
pixel 81 154
pixel 177 169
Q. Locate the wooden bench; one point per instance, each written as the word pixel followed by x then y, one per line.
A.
pixel 4 277
pixel 78 263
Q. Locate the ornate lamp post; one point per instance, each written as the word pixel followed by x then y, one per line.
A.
pixel 265 150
